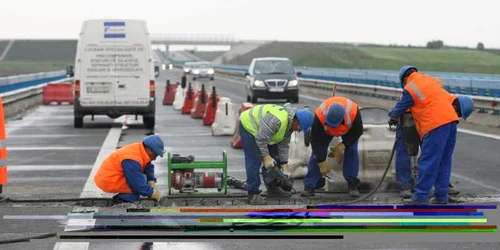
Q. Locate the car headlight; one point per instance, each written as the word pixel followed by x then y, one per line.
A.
pixel 163 66
pixel 293 83
pixel 211 71
pixel 170 66
pixel 186 70
pixel 196 72
pixel 258 83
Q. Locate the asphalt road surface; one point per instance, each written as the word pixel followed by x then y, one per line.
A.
pixel 50 159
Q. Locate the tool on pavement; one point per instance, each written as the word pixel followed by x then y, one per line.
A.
pixel 412 142
pixel 184 179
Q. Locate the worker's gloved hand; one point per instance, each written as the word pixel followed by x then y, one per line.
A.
pixel 152 184
pixel 393 121
pixel 156 195
pixel 269 162
pixel 324 168
pixel 337 153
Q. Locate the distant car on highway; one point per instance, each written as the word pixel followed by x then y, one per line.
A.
pixel 202 70
pixel 187 67
pixel 272 78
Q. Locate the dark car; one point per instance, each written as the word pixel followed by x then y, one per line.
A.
pixel 272 78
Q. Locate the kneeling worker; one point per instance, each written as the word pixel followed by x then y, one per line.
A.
pixel 336 116
pixel 123 171
pixel 265 132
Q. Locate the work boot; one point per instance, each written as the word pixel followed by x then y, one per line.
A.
pixel 452 190
pixel 117 200
pixel 405 193
pixel 437 202
pixel 411 201
pixel 254 198
pixel 277 192
pixel 308 192
pixel 353 188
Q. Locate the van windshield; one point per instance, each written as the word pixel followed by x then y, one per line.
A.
pixel 273 67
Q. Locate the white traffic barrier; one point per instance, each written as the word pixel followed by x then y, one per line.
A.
pixel 299 156
pixel 374 148
pixel 179 98
pixel 225 118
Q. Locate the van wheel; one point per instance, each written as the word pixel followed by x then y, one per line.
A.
pixel 194 78
pixel 211 79
pixel 248 98
pixel 78 122
pixel 149 121
pixel 295 99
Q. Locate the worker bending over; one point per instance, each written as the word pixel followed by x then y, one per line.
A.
pixel 463 106
pixel 265 132
pixel 436 123
pixel 336 116
pixel 123 171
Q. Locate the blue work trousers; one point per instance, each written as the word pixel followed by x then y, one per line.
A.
pixel 350 167
pixel 403 163
pixel 434 165
pixel 253 158
pixel 133 197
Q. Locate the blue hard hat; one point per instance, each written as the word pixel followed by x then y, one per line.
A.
pixel 155 143
pixel 403 70
pixel 305 118
pixel 335 115
pixel 466 106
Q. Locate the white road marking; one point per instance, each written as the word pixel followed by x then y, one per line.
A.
pixel 479 183
pixel 50 148
pixel 472 132
pixel 34 168
pixel 90 189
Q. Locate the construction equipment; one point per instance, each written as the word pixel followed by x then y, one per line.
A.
pixel 412 142
pixel 182 177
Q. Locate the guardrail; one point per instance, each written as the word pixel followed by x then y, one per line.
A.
pixel 13 83
pixel 481 103
pixel 456 83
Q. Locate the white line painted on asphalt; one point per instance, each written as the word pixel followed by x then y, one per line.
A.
pixel 472 132
pixel 34 168
pixel 90 189
pixel 50 148
pixel 479 183
pixel 54 135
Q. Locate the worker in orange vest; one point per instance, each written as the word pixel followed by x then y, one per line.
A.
pixel 336 116
pixel 123 171
pixel 436 123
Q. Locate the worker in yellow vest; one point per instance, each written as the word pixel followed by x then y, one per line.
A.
pixel 265 132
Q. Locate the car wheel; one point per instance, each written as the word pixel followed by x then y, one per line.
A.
pixel 194 78
pixel 254 99
pixel 248 98
pixel 78 121
pixel 295 99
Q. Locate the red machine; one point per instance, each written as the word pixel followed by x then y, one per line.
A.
pixel 186 180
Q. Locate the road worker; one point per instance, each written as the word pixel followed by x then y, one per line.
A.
pixel 436 123
pixel 265 132
pixel 123 171
pixel 463 106
pixel 336 116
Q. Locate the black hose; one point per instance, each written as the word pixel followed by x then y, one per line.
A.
pixel 41 236
pixel 379 184
pixel 8 199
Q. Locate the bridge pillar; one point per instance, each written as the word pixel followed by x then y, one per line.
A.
pixel 167 56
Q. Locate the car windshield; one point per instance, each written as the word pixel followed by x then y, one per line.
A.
pixel 273 67
pixel 202 65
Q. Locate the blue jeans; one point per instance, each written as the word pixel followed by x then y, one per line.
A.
pixel 435 163
pixel 403 163
pixel 253 158
pixel 350 167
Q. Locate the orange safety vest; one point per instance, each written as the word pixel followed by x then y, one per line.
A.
pixel 351 110
pixel 110 177
pixel 3 147
pixel 431 107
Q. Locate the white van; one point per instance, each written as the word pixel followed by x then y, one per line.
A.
pixel 114 71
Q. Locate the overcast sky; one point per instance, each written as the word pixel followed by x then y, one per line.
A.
pixel 460 22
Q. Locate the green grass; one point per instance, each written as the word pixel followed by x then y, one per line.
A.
pixel 19 68
pixel 386 58
pixel 42 50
